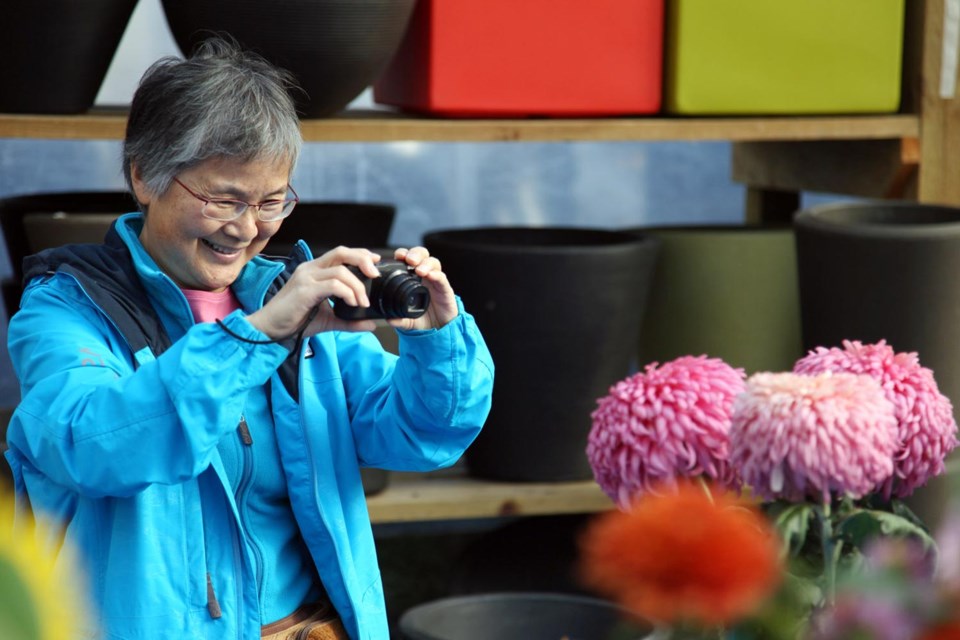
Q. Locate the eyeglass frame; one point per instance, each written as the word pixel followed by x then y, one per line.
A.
pixel 206 201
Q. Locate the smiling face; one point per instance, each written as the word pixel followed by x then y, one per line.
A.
pixel 195 251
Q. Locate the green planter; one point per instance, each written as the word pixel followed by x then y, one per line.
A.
pixel 728 292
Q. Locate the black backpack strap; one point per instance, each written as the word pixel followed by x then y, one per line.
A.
pixel 107 274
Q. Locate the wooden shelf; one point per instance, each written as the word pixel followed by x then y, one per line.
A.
pixel 377 125
pixel 451 495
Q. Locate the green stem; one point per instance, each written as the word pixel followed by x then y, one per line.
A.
pixel 830 552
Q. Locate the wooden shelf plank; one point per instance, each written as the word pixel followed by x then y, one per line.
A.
pixel 413 497
pixel 384 126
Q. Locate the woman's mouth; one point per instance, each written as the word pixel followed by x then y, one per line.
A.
pixel 222 250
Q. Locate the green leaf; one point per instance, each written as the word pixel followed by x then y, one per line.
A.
pixel 865 524
pixel 793 523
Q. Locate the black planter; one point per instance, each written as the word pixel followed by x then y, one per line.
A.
pixel 883 271
pixel 560 309
pixel 886 271
pixel 335 48
pixel 14 214
pixel 54 54
pixel 520 616
pixel 325 225
pixel 374 480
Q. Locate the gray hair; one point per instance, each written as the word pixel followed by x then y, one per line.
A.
pixel 221 102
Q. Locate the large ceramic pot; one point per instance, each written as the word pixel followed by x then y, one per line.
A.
pixel 559 309
pixel 325 225
pixel 335 48
pixel 886 271
pixel 22 236
pixel 728 292
pixel 520 616
pixel 54 54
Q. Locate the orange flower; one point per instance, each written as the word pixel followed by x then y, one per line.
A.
pixel 943 631
pixel 684 556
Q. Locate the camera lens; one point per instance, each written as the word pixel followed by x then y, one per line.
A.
pixel 403 296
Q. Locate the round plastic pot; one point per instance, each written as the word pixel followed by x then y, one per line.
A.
pixel 520 616
pixel 560 310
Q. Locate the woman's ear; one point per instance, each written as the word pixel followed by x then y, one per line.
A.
pixel 143 194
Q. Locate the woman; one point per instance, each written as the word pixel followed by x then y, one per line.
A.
pixel 194 413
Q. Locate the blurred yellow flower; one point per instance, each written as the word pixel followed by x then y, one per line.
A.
pixel 37 601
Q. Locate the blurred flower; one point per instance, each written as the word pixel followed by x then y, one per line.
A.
pixel 926 426
pixel 684 556
pixel 664 423
pixel 942 631
pixel 891 596
pixel 948 545
pixel 867 616
pixel 37 600
pixel 795 436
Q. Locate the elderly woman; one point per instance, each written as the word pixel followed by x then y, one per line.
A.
pixel 194 414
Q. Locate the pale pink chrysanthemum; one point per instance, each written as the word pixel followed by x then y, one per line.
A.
pixel 927 429
pixel 664 423
pixel 795 436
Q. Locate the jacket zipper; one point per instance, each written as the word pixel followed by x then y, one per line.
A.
pixel 246 438
pixel 244 430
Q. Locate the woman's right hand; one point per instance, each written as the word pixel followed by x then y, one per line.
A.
pixel 310 286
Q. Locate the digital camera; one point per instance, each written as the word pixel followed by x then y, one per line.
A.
pixel 397 293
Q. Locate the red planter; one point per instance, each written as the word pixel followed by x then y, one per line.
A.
pixel 536 57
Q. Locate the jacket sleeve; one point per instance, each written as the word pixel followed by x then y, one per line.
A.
pixel 420 411
pixel 89 421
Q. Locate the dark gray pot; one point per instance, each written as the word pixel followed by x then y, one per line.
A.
pixel 335 48
pixel 520 616
pixel 325 225
pixel 886 271
pixel 560 309
pixel 883 271
pixel 54 54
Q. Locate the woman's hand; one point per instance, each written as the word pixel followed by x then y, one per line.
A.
pixel 443 303
pixel 309 288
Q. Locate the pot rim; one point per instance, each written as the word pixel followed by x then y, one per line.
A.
pixel 616 239
pixel 820 218
pixel 408 617
pixel 731 228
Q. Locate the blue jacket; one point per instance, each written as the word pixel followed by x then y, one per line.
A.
pixel 122 409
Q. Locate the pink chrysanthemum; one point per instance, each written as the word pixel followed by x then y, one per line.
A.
pixel 664 423
pixel 926 426
pixel 794 435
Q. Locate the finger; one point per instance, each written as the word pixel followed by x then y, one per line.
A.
pixel 341 282
pixel 368 264
pixel 428 266
pixel 363 259
pixel 414 256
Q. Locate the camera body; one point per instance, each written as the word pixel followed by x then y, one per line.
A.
pixel 397 293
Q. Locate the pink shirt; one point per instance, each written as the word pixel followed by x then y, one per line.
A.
pixel 208 306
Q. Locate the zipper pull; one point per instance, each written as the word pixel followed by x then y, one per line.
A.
pixel 212 605
pixel 244 430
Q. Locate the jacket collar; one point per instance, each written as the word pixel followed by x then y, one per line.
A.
pixel 251 287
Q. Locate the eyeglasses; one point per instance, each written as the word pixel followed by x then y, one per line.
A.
pixel 225 210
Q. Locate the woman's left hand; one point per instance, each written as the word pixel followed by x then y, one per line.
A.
pixel 443 303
